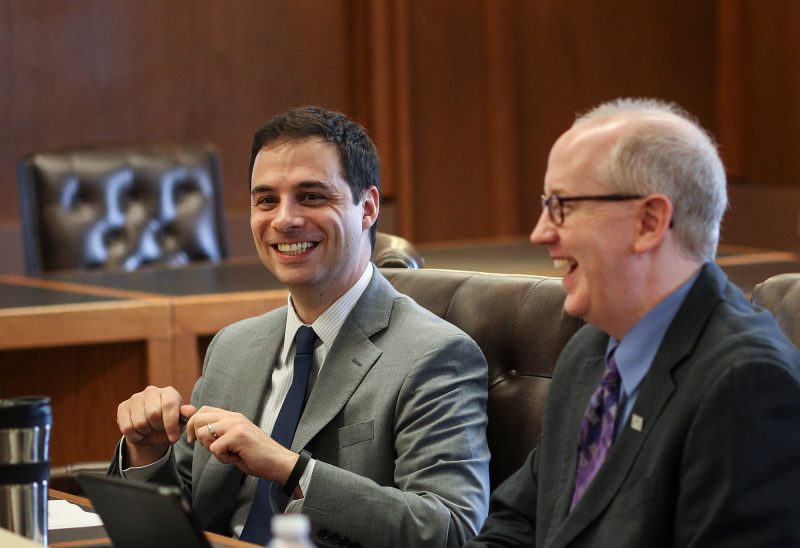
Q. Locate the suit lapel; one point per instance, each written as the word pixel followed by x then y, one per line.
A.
pixel 612 474
pixel 255 359
pixel 259 357
pixel 348 361
pixel 655 392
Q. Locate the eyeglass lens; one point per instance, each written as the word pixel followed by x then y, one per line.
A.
pixel 553 206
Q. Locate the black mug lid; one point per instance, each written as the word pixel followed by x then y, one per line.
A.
pixel 25 411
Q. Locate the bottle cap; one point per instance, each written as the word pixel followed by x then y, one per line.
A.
pixel 290 525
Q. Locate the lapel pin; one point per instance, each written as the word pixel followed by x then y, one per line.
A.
pixel 637 422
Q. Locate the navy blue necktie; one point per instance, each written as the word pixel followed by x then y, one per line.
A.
pixel 257 527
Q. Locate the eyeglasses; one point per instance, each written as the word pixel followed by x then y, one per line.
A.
pixel 555 204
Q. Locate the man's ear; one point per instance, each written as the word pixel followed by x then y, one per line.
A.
pixel 371 207
pixel 654 222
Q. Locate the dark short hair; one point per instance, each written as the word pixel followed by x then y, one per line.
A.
pixel 357 153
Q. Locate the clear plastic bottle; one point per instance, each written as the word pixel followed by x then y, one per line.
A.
pixel 290 531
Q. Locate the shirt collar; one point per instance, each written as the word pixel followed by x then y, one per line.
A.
pixel 637 349
pixel 329 323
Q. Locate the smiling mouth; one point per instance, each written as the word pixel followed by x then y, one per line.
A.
pixel 295 248
pixel 565 264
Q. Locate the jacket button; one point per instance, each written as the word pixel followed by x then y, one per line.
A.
pixel 323 534
pixel 345 542
pixel 333 539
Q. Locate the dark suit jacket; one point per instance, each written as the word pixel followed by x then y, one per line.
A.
pixel 396 421
pixel 717 462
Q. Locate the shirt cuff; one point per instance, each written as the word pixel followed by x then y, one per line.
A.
pixel 295 506
pixel 145 472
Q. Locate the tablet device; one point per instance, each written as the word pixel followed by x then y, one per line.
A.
pixel 137 513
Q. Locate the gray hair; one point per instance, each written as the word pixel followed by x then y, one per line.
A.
pixel 679 161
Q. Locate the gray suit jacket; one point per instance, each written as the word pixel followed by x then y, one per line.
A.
pixel 717 462
pixel 396 421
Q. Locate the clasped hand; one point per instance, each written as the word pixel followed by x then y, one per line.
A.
pixel 150 422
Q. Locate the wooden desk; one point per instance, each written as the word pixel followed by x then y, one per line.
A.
pixel 91 339
pixel 96 536
pixel 87 350
pixel 203 298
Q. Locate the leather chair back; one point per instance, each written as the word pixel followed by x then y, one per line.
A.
pixel 519 323
pixel 781 296
pixel 395 252
pixel 121 207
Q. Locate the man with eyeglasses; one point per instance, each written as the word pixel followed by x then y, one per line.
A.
pixel 672 416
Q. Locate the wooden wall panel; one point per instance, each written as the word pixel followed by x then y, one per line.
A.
pixel 450 172
pixel 93 71
pixel 501 112
pixel 770 79
pixel 576 54
pixel 381 100
pixel 494 83
pixel 463 97
pixel 729 91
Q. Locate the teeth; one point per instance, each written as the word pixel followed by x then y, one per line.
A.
pixel 295 248
pixel 563 263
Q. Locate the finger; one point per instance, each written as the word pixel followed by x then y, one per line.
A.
pixel 193 426
pixel 199 420
pixel 197 428
pixel 138 415
pixel 125 423
pixel 208 410
pixel 187 410
pixel 170 413
pixel 153 412
pixel 221 447
pixel 186 413
pixel 223 456
pixel 211 433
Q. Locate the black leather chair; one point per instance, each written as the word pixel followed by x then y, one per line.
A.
pixel 520 325
pixel 395 252
pixel 781 295
pixel 121 207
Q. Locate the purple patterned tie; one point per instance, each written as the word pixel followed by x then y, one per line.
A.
pixel 597 429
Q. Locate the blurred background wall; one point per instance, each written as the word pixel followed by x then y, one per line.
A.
pixel 463 97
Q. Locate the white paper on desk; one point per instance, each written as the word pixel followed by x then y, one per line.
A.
pixel 65 515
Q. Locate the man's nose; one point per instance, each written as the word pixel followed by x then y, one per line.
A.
pixel 287 216
pixel 544 232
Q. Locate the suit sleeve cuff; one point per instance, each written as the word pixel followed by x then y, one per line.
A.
pixel 295 506
pixel 142 473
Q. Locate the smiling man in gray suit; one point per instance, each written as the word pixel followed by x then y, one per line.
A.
pixel 391 448
pixel 672 416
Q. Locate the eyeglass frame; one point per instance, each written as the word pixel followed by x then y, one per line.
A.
pixel 561 200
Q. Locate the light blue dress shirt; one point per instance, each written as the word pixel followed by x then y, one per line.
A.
pixel 637 349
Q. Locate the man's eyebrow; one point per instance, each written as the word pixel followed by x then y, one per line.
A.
pixel 314 184
pixel 303 185
pixel 260 189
